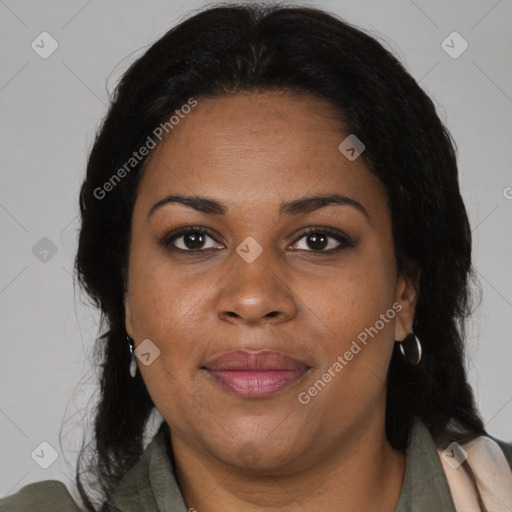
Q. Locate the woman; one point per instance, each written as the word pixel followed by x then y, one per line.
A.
pixel 273 230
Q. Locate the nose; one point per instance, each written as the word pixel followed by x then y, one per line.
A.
pixel 256 292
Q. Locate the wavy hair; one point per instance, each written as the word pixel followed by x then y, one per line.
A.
pixel 229 49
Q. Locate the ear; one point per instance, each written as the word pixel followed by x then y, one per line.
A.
pixel 407 292
pixel 128 318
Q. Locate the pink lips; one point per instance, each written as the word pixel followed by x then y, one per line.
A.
pixel 254 374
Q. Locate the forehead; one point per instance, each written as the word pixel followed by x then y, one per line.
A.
pixel 254 147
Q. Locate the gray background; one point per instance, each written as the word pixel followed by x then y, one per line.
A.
pixel 50 109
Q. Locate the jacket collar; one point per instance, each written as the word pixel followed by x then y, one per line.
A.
pixel 150 485
pixel 425 486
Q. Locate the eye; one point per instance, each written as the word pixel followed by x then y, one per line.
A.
pixel 194 239
pixel 323 240
pixel 190 239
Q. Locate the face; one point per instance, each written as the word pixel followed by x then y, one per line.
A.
pixel 256 279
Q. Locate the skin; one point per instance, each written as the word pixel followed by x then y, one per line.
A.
pixel 253 152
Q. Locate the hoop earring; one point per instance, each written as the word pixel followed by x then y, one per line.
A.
pixel 133 363
pixel 410 347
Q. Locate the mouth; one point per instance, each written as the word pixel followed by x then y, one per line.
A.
pixel 253 374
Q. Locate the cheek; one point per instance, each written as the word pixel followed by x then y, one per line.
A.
pixel 356 310
pixel 356 295
pixel 169 308
pixel 161 295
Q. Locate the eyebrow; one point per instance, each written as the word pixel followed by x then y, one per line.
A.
pixel 295 207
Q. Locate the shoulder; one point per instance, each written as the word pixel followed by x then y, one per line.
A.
pixel 40 497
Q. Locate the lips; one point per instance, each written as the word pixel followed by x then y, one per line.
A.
pixel 253 374
pixel 261 360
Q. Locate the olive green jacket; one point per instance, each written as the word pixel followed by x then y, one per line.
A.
pixel 150 486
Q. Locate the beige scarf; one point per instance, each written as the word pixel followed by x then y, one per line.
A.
pixel 492 473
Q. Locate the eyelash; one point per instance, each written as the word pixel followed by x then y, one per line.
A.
pixel 344 240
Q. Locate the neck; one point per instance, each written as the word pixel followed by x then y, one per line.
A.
pixel 362 472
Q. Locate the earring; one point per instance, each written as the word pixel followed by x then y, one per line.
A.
pixel 133 363
pixel 410 347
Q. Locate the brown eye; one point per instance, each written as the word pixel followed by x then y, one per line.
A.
pixel 326 240
pixel 190 239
